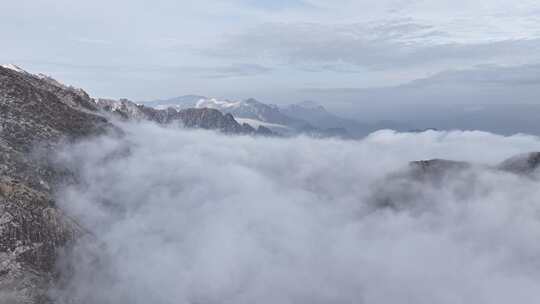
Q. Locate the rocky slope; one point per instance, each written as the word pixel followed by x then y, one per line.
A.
pixel 37 114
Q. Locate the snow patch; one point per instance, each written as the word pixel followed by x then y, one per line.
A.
pixel 14 68
pixel 256 123
pixel 215 103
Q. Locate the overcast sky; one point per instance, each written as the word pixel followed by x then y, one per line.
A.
pixel 277 50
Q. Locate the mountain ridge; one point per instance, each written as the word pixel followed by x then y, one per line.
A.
pixel 259 113
pixel 305 117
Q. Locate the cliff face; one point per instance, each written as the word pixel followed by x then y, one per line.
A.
pixel 35 113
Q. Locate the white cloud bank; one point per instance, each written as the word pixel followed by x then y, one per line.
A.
pixel 197 217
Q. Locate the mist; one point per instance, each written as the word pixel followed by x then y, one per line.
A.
pixel 191 216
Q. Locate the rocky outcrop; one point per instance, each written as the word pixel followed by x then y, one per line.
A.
pixel 435 168
pixel 408 188
pixel 521 164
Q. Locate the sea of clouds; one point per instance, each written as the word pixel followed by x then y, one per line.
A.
pixel 190 216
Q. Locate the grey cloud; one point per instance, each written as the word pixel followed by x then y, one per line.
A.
pixel 232 70
pixel 128 58
pixel 517 51
pixel 488 84
pixel 197 217
pixel 93 41
pixel 486 75
pixel 387 45
pixel 238 70
pixel 274 5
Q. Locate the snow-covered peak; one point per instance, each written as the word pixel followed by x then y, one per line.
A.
pixel 14 68
pixel 122 106
pixel 247 109
pixel 215 103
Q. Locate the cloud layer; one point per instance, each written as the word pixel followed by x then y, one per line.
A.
pixel 226 48
pixel 197 217
pixel 394 45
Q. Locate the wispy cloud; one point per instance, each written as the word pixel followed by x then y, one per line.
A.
pixel 221 71
pixel 277 5
pixel 513 76
pixel 387 45
pixel 93 41
pixel 235 70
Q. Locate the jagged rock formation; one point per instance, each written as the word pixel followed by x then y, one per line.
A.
pixel 204 118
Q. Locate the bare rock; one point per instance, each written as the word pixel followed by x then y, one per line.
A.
pixel 521 164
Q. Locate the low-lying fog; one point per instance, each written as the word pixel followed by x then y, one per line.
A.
pixel 181 216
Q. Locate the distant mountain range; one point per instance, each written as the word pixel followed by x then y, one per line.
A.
pixel 306 117
pixel 205 118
